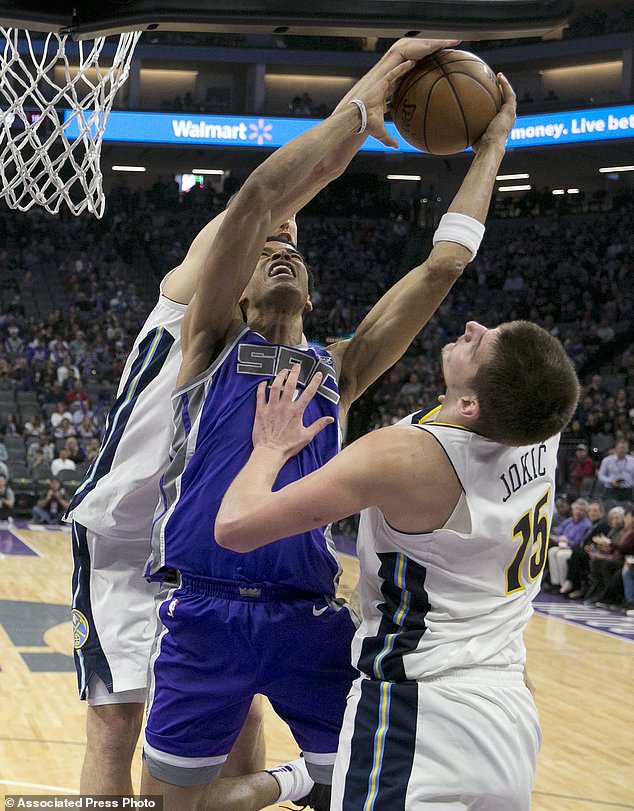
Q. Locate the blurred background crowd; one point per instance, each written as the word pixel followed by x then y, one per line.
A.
pixel 75 292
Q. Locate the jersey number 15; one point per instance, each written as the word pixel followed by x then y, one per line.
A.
pixel 531 530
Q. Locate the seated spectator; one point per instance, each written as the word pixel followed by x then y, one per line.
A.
pixel 62 462
pixel 608 557
pixel 93 449
pixel 413 389
pixel 7 499
pixel 51 507
pixel 39 468
pixel 616 472
pixel 64 429
pixel 562 512
pixel 75 451
pixel 61 413
pixel 567 537
pixel 4 453
pixel 35 426
pixel 576 581
pixel 627 575
pixel 10 426
pixel 581 467
pixel 86 428
pixel 41 444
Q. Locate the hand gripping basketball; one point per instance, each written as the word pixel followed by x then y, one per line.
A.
pixel 377 86
pixel 501 125
pixel 375 96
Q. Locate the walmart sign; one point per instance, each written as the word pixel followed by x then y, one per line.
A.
pixel 546 129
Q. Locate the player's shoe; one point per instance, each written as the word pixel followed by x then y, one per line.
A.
pixel 318 798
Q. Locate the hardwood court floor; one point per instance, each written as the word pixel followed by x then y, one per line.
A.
pixel 583 682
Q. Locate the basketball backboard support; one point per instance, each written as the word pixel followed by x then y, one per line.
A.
pixel 462 19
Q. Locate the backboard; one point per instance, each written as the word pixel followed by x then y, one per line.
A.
pixel 463 19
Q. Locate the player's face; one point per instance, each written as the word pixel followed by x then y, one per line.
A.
pixel 462 358
pixel 279 274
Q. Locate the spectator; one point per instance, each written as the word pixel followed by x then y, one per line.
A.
pixel 7 499
pixel 4 470
pixel 10 427
pixel 86 428
pixel 608 556
pixel 64 429
pixel 582 467
pixel 617 472
pixel 61 413
pixel 41 444
pixel 4 454
pixel 92 450
pixel 567 537
pixel 628 584
pixel 75 451
pixel 39 468
pixel 62 462
pixel 562 512
pixel 575 584
pixel 51 507
pixel 35 426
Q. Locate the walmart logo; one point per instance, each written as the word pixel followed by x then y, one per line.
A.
pixel 260 132
pixel 203 130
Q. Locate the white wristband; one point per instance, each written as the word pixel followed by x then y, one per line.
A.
pixel 364 115
pixel 461 229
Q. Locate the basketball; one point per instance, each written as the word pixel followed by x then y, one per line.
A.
pixel 445 103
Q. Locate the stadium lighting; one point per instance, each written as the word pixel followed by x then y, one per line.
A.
pixel 128 168
pixel 609 169
pixel 515 188
pixel 520 176
pixel 404 177
pixel 572 191
pixel 559 191
pixel 208 171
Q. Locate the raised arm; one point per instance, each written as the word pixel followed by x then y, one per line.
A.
pixel 180 283
pixel 392 324
pixel 278 188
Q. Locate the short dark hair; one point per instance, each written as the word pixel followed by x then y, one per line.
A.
pixel 527 389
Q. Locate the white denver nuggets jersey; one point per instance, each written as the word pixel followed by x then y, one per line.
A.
pixel 461 595
pixel 121 489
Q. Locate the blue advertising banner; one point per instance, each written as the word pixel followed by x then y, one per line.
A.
pixel 545 129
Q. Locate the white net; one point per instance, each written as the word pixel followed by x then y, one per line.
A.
pixel 53 112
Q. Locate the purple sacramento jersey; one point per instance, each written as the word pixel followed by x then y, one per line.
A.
pixel 213 421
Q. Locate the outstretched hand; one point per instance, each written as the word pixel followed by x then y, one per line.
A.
pixel 279 420
pixel 377 86
pixel 501 125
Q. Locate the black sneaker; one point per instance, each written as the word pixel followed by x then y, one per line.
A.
pixel 318 798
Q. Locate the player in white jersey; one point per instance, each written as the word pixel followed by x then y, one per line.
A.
pixel 456 509
pixel 113 607
pixel 111 511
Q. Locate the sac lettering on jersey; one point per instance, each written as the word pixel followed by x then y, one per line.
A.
pixel 267 361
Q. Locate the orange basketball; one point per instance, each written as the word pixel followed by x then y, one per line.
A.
pixel 445 103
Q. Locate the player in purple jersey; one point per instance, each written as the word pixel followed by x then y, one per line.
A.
pixel 112 513
pixel 231 626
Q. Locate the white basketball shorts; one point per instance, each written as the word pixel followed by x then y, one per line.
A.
pixel 114 616
pixel 467 741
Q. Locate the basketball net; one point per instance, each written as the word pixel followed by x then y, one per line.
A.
pixel 52 118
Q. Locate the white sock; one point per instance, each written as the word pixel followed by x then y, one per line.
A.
pixel 293 779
